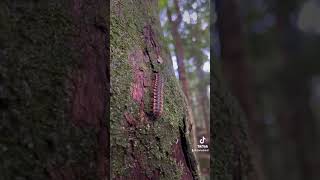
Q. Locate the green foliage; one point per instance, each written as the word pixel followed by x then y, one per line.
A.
pixel 163 4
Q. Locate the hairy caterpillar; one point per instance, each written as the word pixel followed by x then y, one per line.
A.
pixel 157 101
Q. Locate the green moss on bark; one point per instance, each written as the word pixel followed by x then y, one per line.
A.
pixel 151 142
pixel 230 156
pixel 36 62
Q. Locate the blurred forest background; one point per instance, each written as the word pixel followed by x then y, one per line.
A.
pixel 269 51
pixel 185 25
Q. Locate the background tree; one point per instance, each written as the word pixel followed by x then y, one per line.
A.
pixel 186 29
pixel 281 41
pixel 230 155
pixel 296 119
pixel 237 72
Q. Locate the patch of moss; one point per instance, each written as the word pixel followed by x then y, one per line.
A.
pixel 229 133
pixel 35 67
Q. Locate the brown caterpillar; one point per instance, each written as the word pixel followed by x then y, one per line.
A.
pixel 157 101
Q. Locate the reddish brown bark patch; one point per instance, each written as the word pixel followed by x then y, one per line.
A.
pixel 140 82
pixel 130 119
pixel 136 59
pixel 89 96
pixel 151 41
pixel 89 88
pixel 137 87
pixel 178 154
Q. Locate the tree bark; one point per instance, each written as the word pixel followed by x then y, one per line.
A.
pixel 149 133
pixel 229 145
pixel 297 123
pixel 53 90
pixel 237 73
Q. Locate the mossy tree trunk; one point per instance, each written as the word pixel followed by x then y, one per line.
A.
pixel 144 145
pixel 230 157
pixel 229 145
pixel 237 72
pixel 53 89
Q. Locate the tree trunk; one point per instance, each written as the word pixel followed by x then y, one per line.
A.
pixel 237 73
pixel 149 133
pixel 179 48
pixel 203 98
pixel 297 123
pixel 53 90
pixel 230 157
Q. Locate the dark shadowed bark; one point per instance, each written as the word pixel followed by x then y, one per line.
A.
pixel 237 72
pixel 297 123
pixel 54 90
pixel 230 155
pixel 149 133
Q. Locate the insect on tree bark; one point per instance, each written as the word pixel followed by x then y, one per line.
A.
pixel 157 103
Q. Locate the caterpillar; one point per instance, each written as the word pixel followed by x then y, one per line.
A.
pixel 157 100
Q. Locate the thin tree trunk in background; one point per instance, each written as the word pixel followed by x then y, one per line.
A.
pixel 53 90
pixel 203 99
pixel 203 128
pixel 236 70
pixel 149 113
pixel 180 61
pixel 203 83
pixel 179 48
